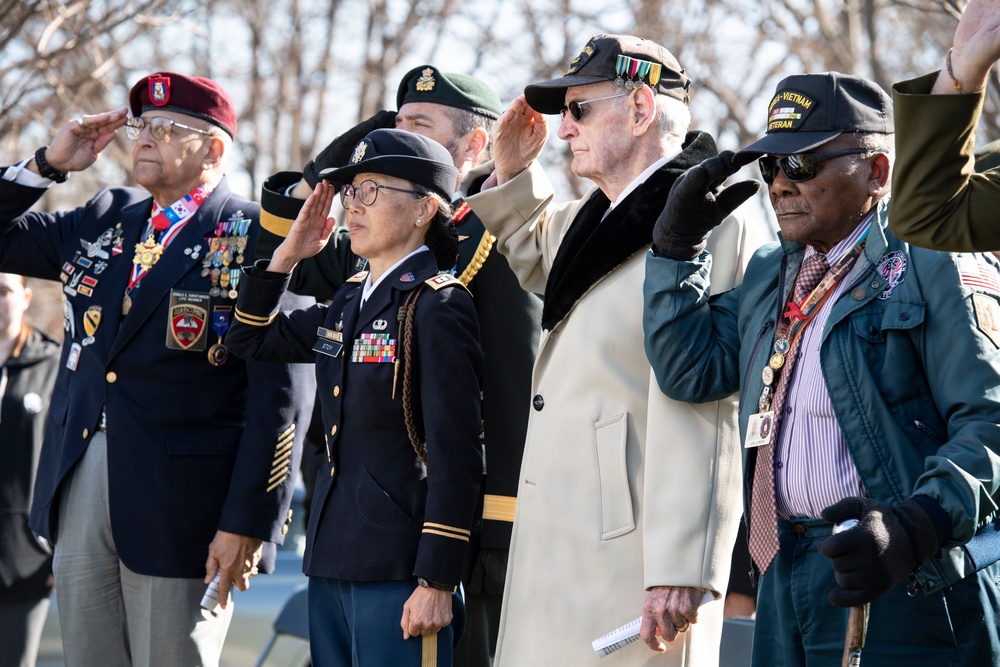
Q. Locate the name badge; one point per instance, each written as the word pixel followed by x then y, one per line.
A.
pixel 330 348
pixel 760 428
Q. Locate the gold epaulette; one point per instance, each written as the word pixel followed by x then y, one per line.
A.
pixel 357 277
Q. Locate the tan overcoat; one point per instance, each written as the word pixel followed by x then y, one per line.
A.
pixel 621 488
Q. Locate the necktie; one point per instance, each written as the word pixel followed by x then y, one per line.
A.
pixel 763 514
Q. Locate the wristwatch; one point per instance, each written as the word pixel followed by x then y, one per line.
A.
pixel 427 583
pixel 46 169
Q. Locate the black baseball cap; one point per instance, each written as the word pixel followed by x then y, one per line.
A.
pixel 402 154
pixel 624 59
pixel 808 110
pixel 429 84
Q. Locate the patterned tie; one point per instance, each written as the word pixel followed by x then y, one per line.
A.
pixel 763 510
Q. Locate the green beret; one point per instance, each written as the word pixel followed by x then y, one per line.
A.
pixel 428 84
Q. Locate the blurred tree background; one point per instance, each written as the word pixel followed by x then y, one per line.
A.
pixel 302 71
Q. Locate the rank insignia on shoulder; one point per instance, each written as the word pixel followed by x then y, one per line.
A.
pixel 358 277
pixel 443 280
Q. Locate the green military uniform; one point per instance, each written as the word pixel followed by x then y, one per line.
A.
pixel 938 200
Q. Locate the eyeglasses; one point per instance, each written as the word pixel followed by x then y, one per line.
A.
pixel 159 127
pixel 367 192
pixel 799 167
pixel 575 108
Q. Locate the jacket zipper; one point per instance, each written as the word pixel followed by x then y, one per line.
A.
pixel 756 349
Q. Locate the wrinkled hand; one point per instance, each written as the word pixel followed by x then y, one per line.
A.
pixel 694 207
pixel 339 151
pixel 518 138
pixel 309 232
pixel 79 143
pixel 976 45
pixel 886 546
pixel 425 612
pixel 236 557
pixel 667 612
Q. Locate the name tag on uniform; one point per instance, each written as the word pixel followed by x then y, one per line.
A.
pixel 328 347
pixel 760 428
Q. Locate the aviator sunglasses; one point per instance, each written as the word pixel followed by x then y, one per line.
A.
pixel 799 167
pixel 576 108
pixel 159 127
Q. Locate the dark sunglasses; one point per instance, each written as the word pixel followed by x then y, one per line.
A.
pixel 576 108
pixel 800 166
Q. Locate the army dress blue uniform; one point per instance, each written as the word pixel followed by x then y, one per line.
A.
pixel 380 517
pixel 191 450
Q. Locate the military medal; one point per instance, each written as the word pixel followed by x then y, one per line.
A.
pixel 221 317
pixel 126 304
pixel 781 346
pixel 148 253
pixel 234 281
pixel 767 375
pixel 777 361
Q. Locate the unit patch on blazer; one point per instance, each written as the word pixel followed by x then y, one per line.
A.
pixel 186 320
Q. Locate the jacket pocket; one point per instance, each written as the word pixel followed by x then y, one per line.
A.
pixel 617 517
pixel 377 508
pixel 201 461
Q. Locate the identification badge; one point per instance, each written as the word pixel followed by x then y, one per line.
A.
pixel 73 358
pixel 760 428
pixel 328 347
pixel 186 320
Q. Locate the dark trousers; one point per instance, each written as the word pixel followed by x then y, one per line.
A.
pixel 357 623
pixel 478 644
pixel 20 631
pixel 798 627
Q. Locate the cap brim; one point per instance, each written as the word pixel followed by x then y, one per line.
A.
pixel 549 97
pixel 390 165
pixel 787 143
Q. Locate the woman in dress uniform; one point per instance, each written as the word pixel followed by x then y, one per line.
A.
pixel 397 362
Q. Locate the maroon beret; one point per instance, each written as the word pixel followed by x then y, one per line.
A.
pixel 194 96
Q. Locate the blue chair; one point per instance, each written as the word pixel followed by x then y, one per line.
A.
pixel 292 620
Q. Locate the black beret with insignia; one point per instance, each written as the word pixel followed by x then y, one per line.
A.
pixel 428 84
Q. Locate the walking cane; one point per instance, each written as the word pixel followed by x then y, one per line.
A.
pixel 857 620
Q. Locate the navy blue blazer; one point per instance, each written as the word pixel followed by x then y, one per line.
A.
pixel 378 514
pixel 190 449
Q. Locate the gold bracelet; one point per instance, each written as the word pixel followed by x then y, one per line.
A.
pixel 954 81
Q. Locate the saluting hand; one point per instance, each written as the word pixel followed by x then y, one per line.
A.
pixel 79 143
pixel 976 47
pixel 309 233
pixel 518 138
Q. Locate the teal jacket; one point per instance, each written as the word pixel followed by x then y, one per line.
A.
pixel 912 368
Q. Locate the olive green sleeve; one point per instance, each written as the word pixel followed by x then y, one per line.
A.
pixel 938 201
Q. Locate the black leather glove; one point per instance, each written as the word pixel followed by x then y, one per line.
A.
pixel 886 546
pixel 340 149
pixel 694 208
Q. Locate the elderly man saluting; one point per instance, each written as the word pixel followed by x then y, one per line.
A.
pixel 166 462
pixel 626 499
pixel 868 372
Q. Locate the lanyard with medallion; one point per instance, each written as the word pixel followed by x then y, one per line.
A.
pixel 167 222
pixel 794 320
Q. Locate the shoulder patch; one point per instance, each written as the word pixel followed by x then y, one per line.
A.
pixel 358 277
pixel 987 316
pixel 975 272
pixel 442 280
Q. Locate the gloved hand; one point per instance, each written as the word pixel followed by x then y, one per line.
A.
pixel 886 546
pixel 694 208
pixel 340 149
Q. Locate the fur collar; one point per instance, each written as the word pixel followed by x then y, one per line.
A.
pixel 593 248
